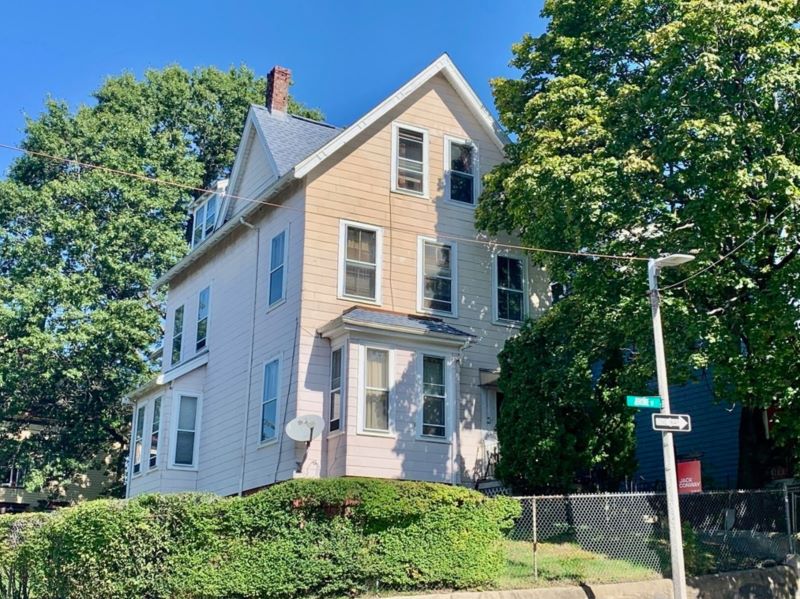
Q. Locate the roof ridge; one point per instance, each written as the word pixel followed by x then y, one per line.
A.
pixel 299 118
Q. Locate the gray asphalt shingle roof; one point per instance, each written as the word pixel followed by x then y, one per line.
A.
pixel 422 324
pixel 291 138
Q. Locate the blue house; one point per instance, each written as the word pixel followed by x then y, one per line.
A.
pixel 714 439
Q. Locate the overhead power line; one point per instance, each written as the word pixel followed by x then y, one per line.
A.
pixel 727 255
pixel 202 190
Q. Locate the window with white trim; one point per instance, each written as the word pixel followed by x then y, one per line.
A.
pixel 185 445
pixel 204 219
pixel 410 160
pixel 155 429
pixel 434 397
pixel 336 395
pixel 11 476
pixel 138 439
pixel 277 261
pixel 360 268
pixel 177 336
pixel 437 276
pixel 269 401
pixel 376 390
pixel 461 171
pixel 509 288
pixel 203 308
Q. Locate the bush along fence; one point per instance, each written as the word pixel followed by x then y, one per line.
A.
pixel 305 538
pixel 722 531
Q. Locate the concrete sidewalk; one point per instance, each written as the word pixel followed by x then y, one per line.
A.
pixel 780 582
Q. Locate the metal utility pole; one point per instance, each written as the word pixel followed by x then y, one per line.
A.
pixel 670 474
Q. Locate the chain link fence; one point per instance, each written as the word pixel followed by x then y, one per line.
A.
pixel 615 537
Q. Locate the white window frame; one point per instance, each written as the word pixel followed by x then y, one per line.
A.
pixel 267 442
pixel 152 402
pixel 476 177
pixel 396 126
pixel 203 206
pixel 362 388
pixel 182 334
pixel 173 429
pixel 284 266
pixel 449 386
pixel 136 433
pixel 525 297
pixel 342 391
pixel 343 226
pixel 454 293
pixel 197 321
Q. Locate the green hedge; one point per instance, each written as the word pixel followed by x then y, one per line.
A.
pixel 302 538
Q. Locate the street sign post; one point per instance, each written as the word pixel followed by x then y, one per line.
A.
pixel 643 401
pixel 672 423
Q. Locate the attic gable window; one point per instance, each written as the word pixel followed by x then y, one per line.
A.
pixel 409 160
pixel 461 166
pixel 205 216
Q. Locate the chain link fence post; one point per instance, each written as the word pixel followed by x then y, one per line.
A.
pixel 788 518
pixel 535 541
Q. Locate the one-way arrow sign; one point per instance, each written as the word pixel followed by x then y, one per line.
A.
pixel 674 423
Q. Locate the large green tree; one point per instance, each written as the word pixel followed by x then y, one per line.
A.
pixel 644 127
pixel 80 247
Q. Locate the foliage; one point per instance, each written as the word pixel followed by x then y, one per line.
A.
pixel 307 538
pixel 645 127
pixel 79 249
pixel 555 402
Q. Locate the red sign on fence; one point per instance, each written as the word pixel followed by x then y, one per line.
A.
pixel 689 478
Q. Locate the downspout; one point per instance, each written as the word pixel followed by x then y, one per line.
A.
pixel 250 357
pixel 455 474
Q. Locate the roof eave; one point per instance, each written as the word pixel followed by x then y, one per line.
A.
pixel 344 324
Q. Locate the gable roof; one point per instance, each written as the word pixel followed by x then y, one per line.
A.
pixel 296 146
pixel 291 138
pixel 442 65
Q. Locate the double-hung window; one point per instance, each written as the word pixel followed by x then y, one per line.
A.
pixel 434 397
pixel 410 160
pixel 205 216
pixel 437 277
pixel 376 390
pixel 138 439
pixel 335 396
pixel 360 267
pixel 177 336
pixel 185 443
pixel 269 401
pixel 277 261
pixel 509 288
pixel 461 165
pixel 203 307
pixel 155 428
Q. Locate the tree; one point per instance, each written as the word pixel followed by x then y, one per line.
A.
pixel 557 398
pixel 80 247
pixel 645 127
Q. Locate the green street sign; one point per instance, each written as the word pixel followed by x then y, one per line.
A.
pixel 644 401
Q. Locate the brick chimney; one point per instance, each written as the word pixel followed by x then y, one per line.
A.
pixel 278 89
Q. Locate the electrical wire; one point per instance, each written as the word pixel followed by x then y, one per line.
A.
pixel 728 255
pixel 158 181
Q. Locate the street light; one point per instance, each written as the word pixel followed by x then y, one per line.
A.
pixel 654 265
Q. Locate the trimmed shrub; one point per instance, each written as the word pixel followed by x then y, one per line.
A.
pixel 303 538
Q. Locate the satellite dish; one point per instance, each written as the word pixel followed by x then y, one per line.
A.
pixel 305 428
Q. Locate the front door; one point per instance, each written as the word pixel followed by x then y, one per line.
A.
pixel 494 401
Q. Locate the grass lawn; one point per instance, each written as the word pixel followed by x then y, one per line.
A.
pixel 565 563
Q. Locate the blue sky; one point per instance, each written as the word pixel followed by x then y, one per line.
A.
pixel 346 55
